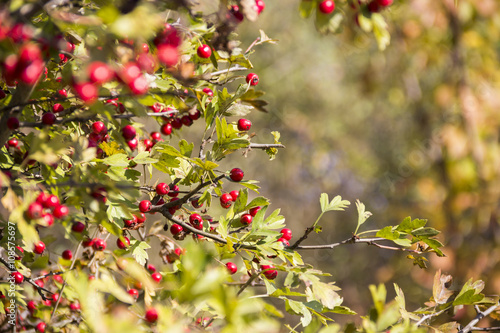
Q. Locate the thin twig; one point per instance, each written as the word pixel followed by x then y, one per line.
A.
pixel 478 317
pixel 231 69
pixel 485 328
pixel 265 145
pixel 429 316
pixel 353 240
pixel 64 282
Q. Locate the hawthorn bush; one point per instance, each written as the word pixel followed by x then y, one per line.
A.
pixel 100 104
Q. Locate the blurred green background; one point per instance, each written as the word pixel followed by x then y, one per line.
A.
pixel 412 130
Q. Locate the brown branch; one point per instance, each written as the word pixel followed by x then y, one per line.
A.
pixel 485 328
pixel 301 239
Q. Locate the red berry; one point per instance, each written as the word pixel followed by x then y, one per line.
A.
pixel 78 227
pixel 195 115
pixel 133 292
pixel 130 72
pixel 62 93
pixel 31 305
pixel 236 175
pixel 373 7
pixel 12 123
pixel 162 189
pixel 74 306
pixel 260 5
pixel 99 244
pixel 99 72
pixel 40 327
pixel 123 244
pixel 39 247
pixel 253 79
pixel 157 277
pixel 176 229
pixel 176 123
pixel 225 200
pixel 166 129
pixel 132 144
pixel 48 220
pixel 151 315
pixel 326 6
pixel 139 85
pixel 196 221
pixel 60 211
pixel 246 219
pixel 145 206
pixel 287 233
pixel 384 3
pixel 244 124
pixel 89 242
pixel 174 191
pixel 141 218
pixel 145 48
pixel 48 118
pixel 208 91
pixel 234 195
pixel 18 277
pixel 13 143
pixel 2 94
pixel 99 128
pixel 129 132
pixel 204 51
pixel 232 268
pixel 130 223
pixel 67 255
pixel 87 92
pixel 238 15
pixel 186 120
pixel 195 203
pixel 151 268
pixel 168 55
pixel 156 136
pixel 254 211
pixel 51 202
pixel 34 211
pixel 284 241
pixel 32 72
pixel 57 108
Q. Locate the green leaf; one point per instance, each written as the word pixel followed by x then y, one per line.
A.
pixel 186 149
pixel 120 160
pixel 435 245
pixel 143 158
pixel 387 233
pixel 363 215
pixel 259 201
pixel 468 298
pixel 336 204
pixel 343 310
pixel 380 31
pixel 241 201
pixel 425 232
pixel 329 24
pixel 306 8
pixel 408 225
pixel 238 110
pixel 379 295
pixel 250 184
pixel 139 252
